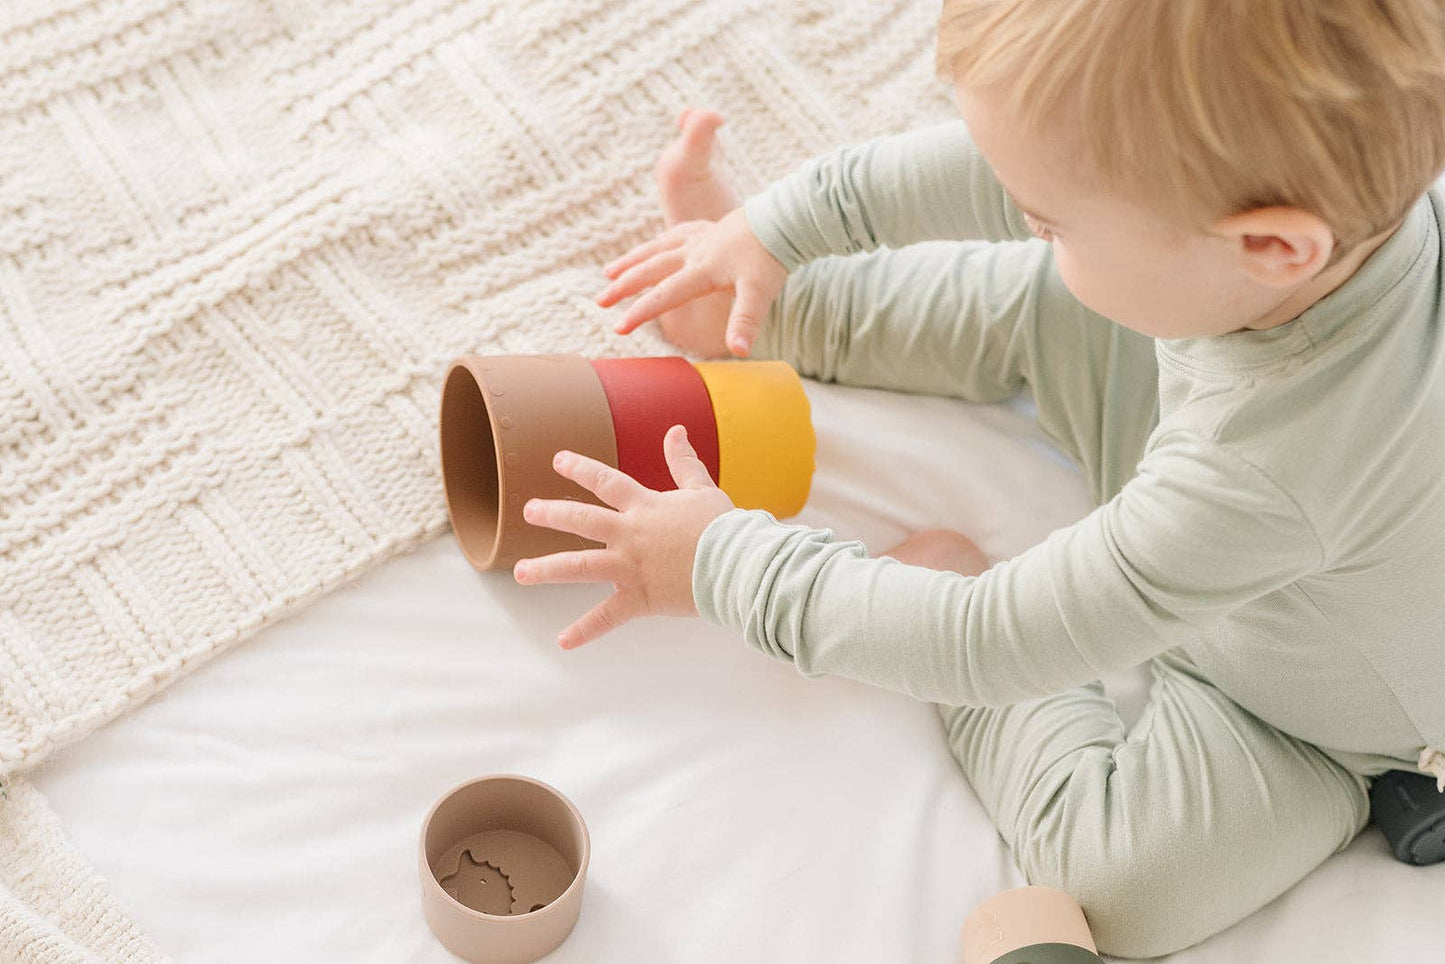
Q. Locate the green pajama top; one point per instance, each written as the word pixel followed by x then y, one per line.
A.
pixel 1284 525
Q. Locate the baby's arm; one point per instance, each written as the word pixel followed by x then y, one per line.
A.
pixel 1196 534
pixel 943 318
pixel 926 184
pixel 923 185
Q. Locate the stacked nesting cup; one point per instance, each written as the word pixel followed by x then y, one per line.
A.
pixel 1029 925
pixel 504 417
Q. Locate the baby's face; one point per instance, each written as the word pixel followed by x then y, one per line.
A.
pixel 1119 258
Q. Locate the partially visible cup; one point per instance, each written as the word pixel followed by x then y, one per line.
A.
pixel 1029 925
pixel 766 444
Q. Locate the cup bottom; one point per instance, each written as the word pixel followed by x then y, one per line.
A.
pixel 503 872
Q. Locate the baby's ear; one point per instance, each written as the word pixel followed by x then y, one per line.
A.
pixel 1278 246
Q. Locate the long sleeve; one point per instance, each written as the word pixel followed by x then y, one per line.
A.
pixel 1196 534
pixel 945 318
pixel 927 184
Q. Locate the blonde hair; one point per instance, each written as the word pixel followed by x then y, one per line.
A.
pixel 1215 107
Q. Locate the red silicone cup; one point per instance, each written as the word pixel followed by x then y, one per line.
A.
pixel 647 397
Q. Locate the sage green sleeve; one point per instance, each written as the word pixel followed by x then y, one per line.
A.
pixel 926 184
pixel 1196 534
pixel 944 318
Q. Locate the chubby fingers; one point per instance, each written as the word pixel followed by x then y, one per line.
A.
pixel 616 488
pixel 568 515
pixel 641 275
pixel 750 307
pixel 583 565
pixel 668 239
pixel 644 275
pixel 688 471
pixel 616 609
pixel 676 290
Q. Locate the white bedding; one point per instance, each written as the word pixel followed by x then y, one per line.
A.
pixel 267 808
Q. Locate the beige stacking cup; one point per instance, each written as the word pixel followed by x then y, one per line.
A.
pixel 1029 925
pixel 503 861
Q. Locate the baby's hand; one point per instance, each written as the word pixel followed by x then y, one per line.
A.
pixel 693 259
pixel 651 537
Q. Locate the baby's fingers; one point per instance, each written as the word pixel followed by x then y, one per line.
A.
pixel 583 565
pixel 612 486
pixel 688 471
pixel 569 515
pixel 640 276
pixel 677 290
pixel 612 612
pixel 750 307
pixel 670 238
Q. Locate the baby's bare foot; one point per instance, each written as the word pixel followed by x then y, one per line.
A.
pixel 692 190
pixel 941 549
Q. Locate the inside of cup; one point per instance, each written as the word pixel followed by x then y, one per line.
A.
pixel 505 847
pixel 469 465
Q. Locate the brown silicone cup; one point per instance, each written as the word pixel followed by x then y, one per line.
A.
pixel 1023 917
pixel 503 418
pixel 503 862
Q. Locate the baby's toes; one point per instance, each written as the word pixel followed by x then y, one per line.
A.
pixel 941 549
pixel 685 173
pixel 699 126
pixel 694 146
pixel 699 137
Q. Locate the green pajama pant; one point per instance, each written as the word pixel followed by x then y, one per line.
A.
pixel 1201 813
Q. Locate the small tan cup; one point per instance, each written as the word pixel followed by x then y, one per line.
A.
pixel 503 862
pixel 1028 925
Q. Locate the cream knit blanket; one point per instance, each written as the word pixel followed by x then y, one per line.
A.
pixel 239 241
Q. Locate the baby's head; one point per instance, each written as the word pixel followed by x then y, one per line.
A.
pixel 1202 166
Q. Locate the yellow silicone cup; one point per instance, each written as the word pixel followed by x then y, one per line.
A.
pixel 764 434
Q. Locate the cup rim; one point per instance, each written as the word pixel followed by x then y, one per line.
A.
pixel 429 879
pixel 539 387
pixel 486 555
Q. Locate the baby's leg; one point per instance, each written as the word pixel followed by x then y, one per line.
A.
pixel 1200 816
pixel 1095 387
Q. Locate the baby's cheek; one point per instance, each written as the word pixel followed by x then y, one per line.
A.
pixel 1100 285
pixel 1074 276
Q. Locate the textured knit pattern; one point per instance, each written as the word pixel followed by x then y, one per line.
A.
pixel 240 240
pixel 53 909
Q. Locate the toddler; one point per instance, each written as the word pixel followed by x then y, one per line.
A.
pixel 1218 268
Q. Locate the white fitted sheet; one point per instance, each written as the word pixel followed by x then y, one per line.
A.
pixel 267 807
